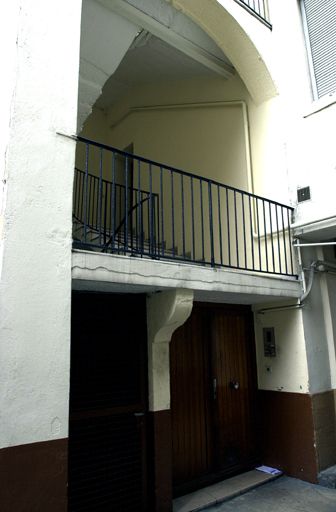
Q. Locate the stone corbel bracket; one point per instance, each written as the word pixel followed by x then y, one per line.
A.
pixel 166 311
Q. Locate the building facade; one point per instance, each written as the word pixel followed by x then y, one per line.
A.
pixel 167 249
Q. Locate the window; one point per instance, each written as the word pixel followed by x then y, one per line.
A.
pixel 320 27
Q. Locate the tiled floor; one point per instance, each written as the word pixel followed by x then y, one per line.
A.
pixel 221 492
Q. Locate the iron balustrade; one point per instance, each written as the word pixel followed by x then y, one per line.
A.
pixel 130 205
pixel 258 8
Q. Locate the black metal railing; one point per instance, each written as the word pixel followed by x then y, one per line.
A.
pixel 127 204
pixel 259 9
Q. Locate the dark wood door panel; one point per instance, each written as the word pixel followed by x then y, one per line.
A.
pixel 108 403
pixel 234 368
pixel 190 395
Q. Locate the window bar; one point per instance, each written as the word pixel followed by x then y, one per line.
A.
pixel 202 218
pixel 212 251
pixel 192 217
pixel 244 228
pixel 220 225
pixel 100 205
pixel 183 225
pixel 265 230
pixel 162 213
pixel 278 237
pixel 236 225
pixel 86 191
pixel 228 225
pixel 172 211
pixel 251 226
pixel 290 242
pixel 284 239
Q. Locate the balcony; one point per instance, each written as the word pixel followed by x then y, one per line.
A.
pixel 130 206
pixel 258 8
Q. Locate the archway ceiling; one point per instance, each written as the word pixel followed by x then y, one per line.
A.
pixel 150 60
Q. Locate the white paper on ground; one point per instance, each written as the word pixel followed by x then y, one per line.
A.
pixel 270 471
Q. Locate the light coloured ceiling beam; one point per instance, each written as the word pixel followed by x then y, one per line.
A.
pixel 169 36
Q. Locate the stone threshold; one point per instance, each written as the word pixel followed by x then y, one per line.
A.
pixel 222 491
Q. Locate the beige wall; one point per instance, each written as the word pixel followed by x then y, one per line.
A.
pixel 288 371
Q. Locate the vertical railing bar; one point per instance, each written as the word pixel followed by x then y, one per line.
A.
pixel 244 228
pixel 212 249
pixel 284 239
pixel 100 194
pixel 151 204
pixel 183 225
pixel 158 226
pixel 162 213
pixel 81 195
pixel 265 232
pixel 131 207
pixel 258 229
pixel 220 225
pixel 278 237
pixel 86 191
pixel 228 225
pixel 236 226
pixel 290 242
pixel 113 202
pixel 251 226
pixel 202 218
pixel 140 226
pixel 89 199
pixel 192 217
pixel 271 232
pixel 172 210
pixel 105 213
pixel 126 206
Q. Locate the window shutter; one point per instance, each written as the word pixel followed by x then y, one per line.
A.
pixel 321 27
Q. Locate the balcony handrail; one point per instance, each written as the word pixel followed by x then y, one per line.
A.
pixel 258 9
pixel 180 216
pixel 177 170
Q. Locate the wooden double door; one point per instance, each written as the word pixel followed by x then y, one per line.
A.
pixel 213 396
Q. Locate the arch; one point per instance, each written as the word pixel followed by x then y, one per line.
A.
pixel 216 20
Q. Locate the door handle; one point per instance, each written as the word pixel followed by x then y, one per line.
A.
pixel 214 388
pixel 234 384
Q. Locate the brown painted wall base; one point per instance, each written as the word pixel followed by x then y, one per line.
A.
pixel 325 428
pixel 287 434
pixel 33 477
pixel 161 461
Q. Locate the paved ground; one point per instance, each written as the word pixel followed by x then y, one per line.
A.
pixel 282 495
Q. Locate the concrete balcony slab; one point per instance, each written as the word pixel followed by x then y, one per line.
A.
pixel 122 274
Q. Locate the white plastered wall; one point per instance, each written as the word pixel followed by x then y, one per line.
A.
pixel 36 276
pixel 288 371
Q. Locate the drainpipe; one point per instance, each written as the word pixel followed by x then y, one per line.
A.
pixel 316 266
